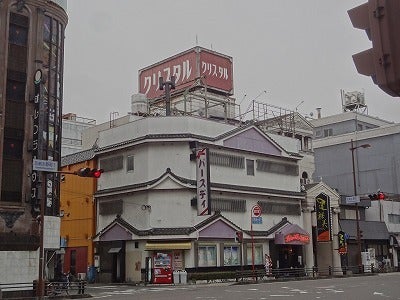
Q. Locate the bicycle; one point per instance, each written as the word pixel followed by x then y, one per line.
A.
pixel 56 288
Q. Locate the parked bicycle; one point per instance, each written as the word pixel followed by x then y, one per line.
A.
pixel 55 288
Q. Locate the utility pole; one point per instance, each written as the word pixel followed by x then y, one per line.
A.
pixel 352 148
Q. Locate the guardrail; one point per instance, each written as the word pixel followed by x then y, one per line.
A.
pixel 260 274
pixel 27 290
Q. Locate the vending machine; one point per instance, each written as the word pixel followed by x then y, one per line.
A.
pixel 162 268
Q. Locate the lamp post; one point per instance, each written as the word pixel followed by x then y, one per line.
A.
pixel 352 148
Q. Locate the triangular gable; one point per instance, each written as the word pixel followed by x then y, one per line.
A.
pixel 167 183
pixel 313 190
pixel 115 233
pixel 252 140
pixel 218 229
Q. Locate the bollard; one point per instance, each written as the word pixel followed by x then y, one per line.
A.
pixel 81 287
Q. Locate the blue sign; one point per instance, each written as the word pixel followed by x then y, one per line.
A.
pixel 256 220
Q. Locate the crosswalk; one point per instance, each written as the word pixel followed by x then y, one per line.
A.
pixel 112 290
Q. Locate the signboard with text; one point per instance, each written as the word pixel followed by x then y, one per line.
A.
pixel 203 182
pixel 322 207
pixel 215 69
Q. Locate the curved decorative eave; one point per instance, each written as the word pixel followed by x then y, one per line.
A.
pixel 191 184
pixel 128 143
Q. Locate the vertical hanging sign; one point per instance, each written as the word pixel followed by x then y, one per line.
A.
pixel 35 199
pixel 322 203
pixel 342 249
pixel 203 182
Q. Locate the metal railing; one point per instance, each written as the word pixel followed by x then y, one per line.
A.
pixel 27 290
pixel 315 272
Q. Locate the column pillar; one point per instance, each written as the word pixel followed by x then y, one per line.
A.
pixel 335 242
pixel 307 223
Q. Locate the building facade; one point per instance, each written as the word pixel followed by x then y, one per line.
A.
pixel 375 146
pixel 31 85
pixel 72 128
pixel 146 199
pixel 78 216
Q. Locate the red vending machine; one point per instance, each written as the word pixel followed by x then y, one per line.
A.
pixel 162 268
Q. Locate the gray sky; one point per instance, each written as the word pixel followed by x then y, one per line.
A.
pixel 294 50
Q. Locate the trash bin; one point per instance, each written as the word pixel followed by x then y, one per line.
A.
pixel 176 277
pixel 91 276
pixel 183 276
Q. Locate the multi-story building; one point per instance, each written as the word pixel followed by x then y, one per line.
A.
pixel 374 144
pixel 78 214
pixel 31 95
pixel 72 127
pixel 146 198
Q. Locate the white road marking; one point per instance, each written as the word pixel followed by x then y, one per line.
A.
pixel 281 295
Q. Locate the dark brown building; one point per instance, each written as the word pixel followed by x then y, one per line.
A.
pixel 31 43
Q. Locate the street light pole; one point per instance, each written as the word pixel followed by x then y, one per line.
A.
pixel 352 148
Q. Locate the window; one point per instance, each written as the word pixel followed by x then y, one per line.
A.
pixel 258 255
pixel 72 262
pixel 277 167
pixel 359 127
pixel 130 163
pixel 112 163
pixel 207 256
pixel 250 167
pixel 231 256
pixel 226 160
pixel 395 219
pixel 111 207
pixel 235 205
pixel 328 132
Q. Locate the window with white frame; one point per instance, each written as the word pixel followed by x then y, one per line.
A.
pixel 258 255
pixel 207 256
pixel 231 256
pixel 130 163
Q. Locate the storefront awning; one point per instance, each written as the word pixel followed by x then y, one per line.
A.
pixel 169 246
pixel 371 230
pixel 292 234
pixel 114 250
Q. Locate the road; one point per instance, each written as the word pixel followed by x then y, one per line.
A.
pixel 380 287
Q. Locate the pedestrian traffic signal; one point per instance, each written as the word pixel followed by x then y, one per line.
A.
pixel 87 172
pixel 380 19
pixel 238 236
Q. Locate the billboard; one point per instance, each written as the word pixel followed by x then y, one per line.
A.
pixel 215 69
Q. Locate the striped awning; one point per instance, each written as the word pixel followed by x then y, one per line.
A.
pixel 169 246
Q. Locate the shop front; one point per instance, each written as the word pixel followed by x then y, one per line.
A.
pixel 165 259
pixel 287 247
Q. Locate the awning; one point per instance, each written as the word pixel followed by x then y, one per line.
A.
pixel 371 230
pixel 169 246
pixel 114 250
pixel 292 234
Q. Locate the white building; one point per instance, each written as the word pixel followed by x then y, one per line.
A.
pixel 72 128
pixel 147 199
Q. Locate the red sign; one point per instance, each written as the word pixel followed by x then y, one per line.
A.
pixel 215 69
pixel 297 237
pixel 256 211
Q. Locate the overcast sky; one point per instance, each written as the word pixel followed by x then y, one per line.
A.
pixel 294 50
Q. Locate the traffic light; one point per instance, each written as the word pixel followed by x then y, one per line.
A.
pixel 87 172
pixel 377 196
pixel 238 236
pixel 380 19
